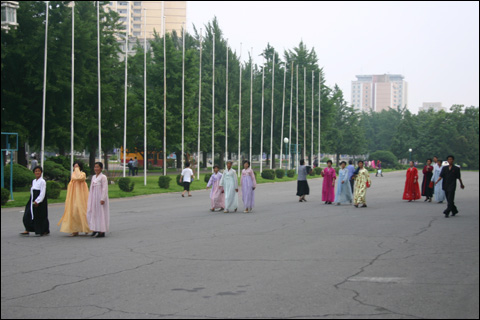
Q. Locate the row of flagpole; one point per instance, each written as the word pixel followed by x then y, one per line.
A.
pixel 199 104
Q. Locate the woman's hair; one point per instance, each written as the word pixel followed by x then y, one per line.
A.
pixel 216 166
pixel 430 160
pixel 187 164
pixel 330 161
pixel 302 162
pixel 453 158
pixel 343 162
pixel 246 161
pixel 99 164
pixel 80 165
pixel 37 167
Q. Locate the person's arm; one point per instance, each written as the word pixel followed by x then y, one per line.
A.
pixel 253 180
pixel 440 177
pixel 460 179
pixel 235 179
pixel 104 190
pixel 210 182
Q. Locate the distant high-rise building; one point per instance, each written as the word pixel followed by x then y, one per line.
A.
pixel 435 106
pixel 379 92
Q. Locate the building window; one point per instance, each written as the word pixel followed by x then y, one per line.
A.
pixel 137 19
pixel 137 3
pixel 136 26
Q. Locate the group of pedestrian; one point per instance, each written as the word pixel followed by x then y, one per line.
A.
pixel 84 211
pixel 132 167
pixel 432 174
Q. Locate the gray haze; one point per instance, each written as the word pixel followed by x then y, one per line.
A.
pixel 435 45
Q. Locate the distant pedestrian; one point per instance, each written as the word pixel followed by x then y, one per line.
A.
pixel 98 210
pixel 135 167
pixel 450 174
pixel 33 163
pixel 328 189
pixel 412 189
pixel 362 183
pixel 379 168
pixel 427 183
pixel 302 184
pixel 187 179
pixel 438 189
pixel 351 173
pixel 130 167
pixel 344 191
pixel 229 182
pixel 315 162
pixel 35 218
pixel 248 184
pixel 217 198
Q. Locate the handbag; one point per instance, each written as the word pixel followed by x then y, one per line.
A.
pixel 368 184
pixel 430 185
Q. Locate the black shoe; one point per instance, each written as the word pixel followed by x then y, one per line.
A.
pixel 446 214
pixel 100 235
pixel 454 213
pixel 94 234
pixel 364 205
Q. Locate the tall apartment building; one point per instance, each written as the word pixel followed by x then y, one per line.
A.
pixel 379 92
pixel 435 106
pixel 133 13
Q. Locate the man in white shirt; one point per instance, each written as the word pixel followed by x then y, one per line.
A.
pixel 186 178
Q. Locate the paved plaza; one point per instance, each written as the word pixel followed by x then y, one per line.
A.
pixel 170 257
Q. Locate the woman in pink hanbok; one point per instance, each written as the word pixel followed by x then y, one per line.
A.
pixel 217 198
pixel 328 190
pixel 98 211
pixel 249 183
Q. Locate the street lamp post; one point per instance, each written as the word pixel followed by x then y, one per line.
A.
pixel 410 150
pixel 285 140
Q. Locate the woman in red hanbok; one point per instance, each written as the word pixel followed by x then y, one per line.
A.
pixel 412 189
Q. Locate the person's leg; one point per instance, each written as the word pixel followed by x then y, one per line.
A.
pixel 449 202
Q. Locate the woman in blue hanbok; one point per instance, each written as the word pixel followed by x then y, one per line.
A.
pixel 344 191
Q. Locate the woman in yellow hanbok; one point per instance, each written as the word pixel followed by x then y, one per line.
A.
pixel 362 183
pixel 74 218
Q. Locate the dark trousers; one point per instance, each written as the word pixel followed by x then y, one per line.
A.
pixel 352 184
pixel 451 208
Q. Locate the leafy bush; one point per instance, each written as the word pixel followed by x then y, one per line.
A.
pixel 291 173
pixel 207 177
pixel 178 180
pixel 280 173
pixel 389 160
pixel 318 171
pixel 268 174
pixel 53 189
pixel 56 172
pixel 5 196
pixel 164 182
pixel 126 184
pixel 22 176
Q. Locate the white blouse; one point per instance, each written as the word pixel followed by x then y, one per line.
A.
pixel 38 184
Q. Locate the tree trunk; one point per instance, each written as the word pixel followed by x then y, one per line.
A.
pixel 179 159
pixel 22 159
pixel 91 159
pixel 338 158
pixel 204 160
pixel 105 161
pixel 273 161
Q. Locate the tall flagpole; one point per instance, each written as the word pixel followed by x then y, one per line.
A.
pixel 283 115
pixel 304 113
pixel 73 82
pixel 290 126
pixel 226 111
pixel 311 147
pixel 183 98
pixel 213 104
pixel 319 102
pixel 296 129
pixel 126 87
pixel 240 115
pixel 251 103
pixel 44 88
pixel 261 130
pixel 199 107
pixel 99 87
pixel 272 157
pixel 145 154
pixel 164 96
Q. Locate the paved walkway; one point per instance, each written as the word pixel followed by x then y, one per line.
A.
pixel 170 257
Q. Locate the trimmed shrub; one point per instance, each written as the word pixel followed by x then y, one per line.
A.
pixel 53 189
pixel 5 196
pixel 207 177
pixel 318 171
pixel 268 174
pixel 164 182
pixel 56 172
pixel 22 176
pixel 178 180
pixel 280 173
pixel 291 173
pixel 126 184
pixel 388 159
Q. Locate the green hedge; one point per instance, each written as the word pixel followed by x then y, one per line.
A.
pixel 164 182
pixel 389 160
pixel 22 176
pixel 125 184
pixel 207 177
pixel 318 171
pixel 179 176
pixel 53 189
pixel 280 173
pixel 5 196
pixel 291 173
pixel 56 172
pixel 268 174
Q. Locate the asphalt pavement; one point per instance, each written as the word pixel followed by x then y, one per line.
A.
pixel 170 257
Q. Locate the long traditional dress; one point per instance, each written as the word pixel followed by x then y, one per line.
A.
pixel 248 182
pixel 229 182
pixel 361 180
pixel 438 189
pixel 427 177
pixel 75 215
pixel 328 189
pixel 217 198
pixel 344 191
pixel 412 189
pixel 98 215
pixel 302 184
pixel 35 219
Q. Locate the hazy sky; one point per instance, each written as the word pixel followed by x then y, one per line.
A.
pixel 435 45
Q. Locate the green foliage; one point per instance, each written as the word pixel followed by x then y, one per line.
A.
pixel 280 173
pixel 268 174
pixel 125 184
pixel 53 189
pixel 164 182
pixel 387 157
pixel 22 176
pixel 5 196
pixel 312 172
pixel 318 171
pixel 179 176
pixel 56 172
pixel 207 177
pixel 291 173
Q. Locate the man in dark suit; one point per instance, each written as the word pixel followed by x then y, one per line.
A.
pixel 450 174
